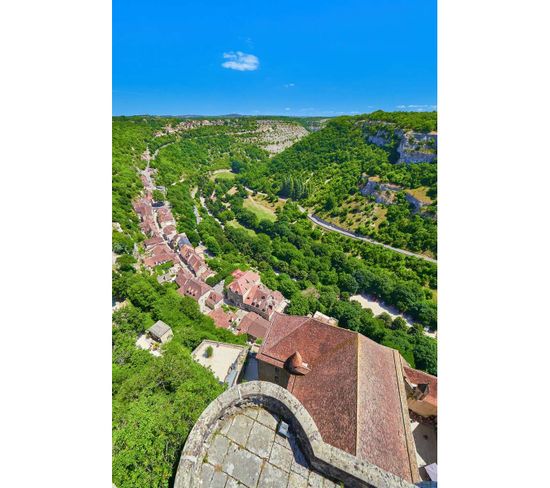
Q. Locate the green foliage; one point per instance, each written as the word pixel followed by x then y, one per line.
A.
pixel 122 243
pixel 158 196
pixel 416 121
pixel 156 400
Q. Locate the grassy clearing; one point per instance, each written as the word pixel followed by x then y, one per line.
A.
pixel 262 200
pixel 421 194
pixel 223 175
pixel 261 211
pixel 237 225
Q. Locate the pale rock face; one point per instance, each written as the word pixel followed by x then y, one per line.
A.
pixel 383 192
pixel 417 147
pixel 414 147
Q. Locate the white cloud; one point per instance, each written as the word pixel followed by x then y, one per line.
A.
pixel 287 108
pixel 289 85
pixel 240 61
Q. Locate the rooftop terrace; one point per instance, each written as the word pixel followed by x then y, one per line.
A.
pixel 236 443
pixel 226 360
pixel 246 449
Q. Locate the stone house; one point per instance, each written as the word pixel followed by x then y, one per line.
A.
pixel 169 231
pixel 254 326
pixel 248 293
pixel 195 289
pixel 421 390
pixel 160 332
pixel 214 300
pixel 165 217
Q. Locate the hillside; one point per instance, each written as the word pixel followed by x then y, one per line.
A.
pixel 328 170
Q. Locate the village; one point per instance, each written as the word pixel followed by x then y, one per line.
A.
pixel 321 364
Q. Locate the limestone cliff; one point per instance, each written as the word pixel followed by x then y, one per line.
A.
pixel 404 146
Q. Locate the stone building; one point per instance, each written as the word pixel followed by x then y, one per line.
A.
pixel 160 332
pixel 259 435
pixel 248 293
pixel 421 390
pixel 352 387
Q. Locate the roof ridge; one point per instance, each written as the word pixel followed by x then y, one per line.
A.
pixel 409 441
pixel 288 333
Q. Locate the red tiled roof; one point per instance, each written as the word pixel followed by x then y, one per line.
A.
pixel 158 258
pixel 420 377
pixel 263 298
pixel 254 325
pixel 213 298
pixel 196 263
pixel 244 281
pixel 194 288
pixel 183 275
pixel 152 242
pixel 221 318
pixel 169 229
pixel 352 390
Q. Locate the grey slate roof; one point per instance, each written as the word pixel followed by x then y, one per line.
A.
pixel 159 329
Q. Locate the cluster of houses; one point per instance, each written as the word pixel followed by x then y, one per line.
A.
pixel 248 305
pixel 364 397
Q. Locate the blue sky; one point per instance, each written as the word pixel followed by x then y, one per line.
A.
pixel 281 57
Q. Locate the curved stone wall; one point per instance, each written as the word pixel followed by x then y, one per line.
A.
pixel 324 458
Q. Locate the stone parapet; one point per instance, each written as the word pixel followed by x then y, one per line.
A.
pixel 324 458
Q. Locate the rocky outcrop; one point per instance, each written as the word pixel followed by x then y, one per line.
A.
pixel 405 146
pixel 417 147
pixel 386 193
pixel 382 192
pixel 415 202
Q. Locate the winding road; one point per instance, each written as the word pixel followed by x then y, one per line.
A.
pixel 328 226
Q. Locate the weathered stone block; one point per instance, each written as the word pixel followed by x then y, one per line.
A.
pixel 260 440
pixel 272 477
pixel 240 428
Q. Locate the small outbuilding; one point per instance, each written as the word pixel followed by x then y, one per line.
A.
pixel 160 332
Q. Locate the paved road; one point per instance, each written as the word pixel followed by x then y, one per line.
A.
pixel 328 226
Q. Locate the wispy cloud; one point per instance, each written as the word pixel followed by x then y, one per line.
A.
pixel 240 61
pixel 289 85
pixel 418 108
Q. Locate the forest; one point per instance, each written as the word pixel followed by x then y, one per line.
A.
pixel 156 400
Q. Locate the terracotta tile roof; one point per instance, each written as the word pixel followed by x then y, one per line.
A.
pixel 196 263
pixel 164 215
pixel 263 298
pixel 152 242
pixel 183 275
pixel 169 229
pixel 352 390
pixel 213 299
pixel 254 325
pixel 194 288
pixel 158 258
pixel 244 281
pixel 221 318
pixel 419 378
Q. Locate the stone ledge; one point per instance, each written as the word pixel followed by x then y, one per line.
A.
pixel 325 459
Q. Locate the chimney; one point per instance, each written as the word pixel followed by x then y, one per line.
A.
pixel 296 365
